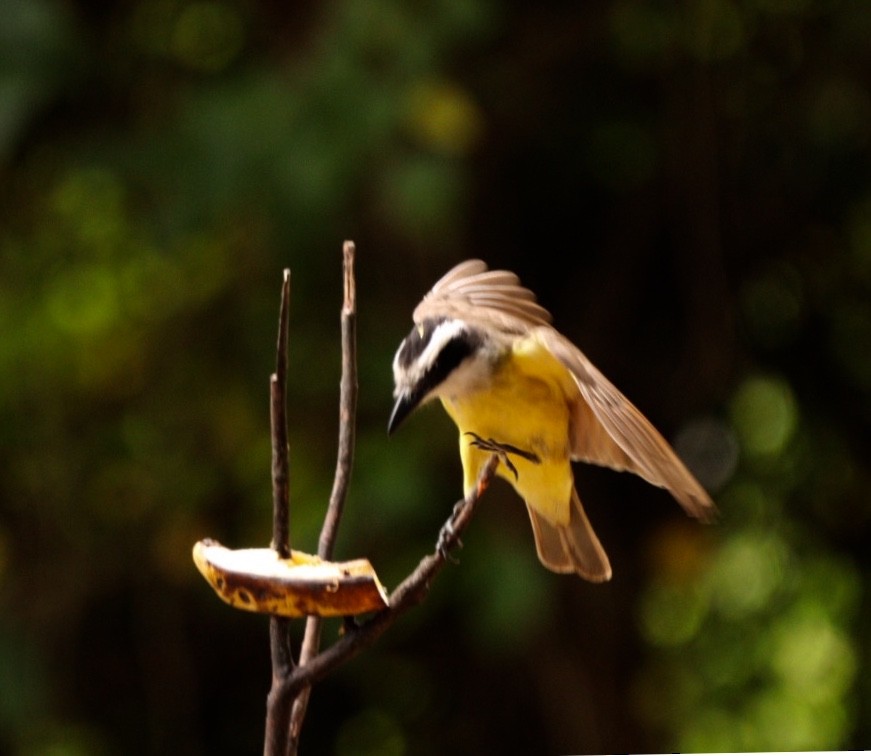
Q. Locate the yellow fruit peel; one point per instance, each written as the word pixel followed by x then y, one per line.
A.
pixel 257 580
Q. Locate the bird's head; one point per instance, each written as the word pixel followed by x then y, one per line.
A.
pixel 436 358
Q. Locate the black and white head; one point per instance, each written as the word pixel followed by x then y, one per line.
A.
pixel 440 357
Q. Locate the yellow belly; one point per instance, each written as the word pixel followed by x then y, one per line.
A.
pixel 525 406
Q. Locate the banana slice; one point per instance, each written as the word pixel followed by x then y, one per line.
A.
pixel 257 580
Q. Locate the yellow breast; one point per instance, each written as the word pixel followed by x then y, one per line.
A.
pixel 525 405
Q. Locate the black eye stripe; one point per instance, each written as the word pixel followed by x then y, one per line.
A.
pixel 452 354
pixel 417 341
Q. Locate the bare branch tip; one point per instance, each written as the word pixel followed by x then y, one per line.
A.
pixel 348 253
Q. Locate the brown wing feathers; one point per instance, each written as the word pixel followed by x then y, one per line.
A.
pixel 475 293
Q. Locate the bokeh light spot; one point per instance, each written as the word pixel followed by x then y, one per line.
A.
pixel 89 203
pixel 748 570
pixel 812 656
pixel 709 448
pixel 443 117
pixel 782 721
pixel 765 415
pixel 711 730
pixel 84 301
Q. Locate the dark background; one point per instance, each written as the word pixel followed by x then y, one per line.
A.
pixel 686 187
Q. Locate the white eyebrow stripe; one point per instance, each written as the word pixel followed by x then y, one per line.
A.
pixel 439 338
pixel 442 334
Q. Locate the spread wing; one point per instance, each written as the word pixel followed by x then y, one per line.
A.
pixel 489 298
pixel 608 429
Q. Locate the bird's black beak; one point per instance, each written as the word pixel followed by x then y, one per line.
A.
pixel 405 403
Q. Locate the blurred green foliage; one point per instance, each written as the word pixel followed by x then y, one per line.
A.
pixel 688 189
pixel 756 649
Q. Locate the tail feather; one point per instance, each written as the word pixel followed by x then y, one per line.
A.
pixel 570 548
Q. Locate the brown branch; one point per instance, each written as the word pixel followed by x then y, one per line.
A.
pixel 278 702
pixel 278 423
pixel 347 408
pixel 291 684
pixel 344 464
pixel 409 593
pixel 412 591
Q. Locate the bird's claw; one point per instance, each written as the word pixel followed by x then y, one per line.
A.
pixel 447 534
pixel 502 451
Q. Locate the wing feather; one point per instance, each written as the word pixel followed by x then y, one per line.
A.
pixel 483 297
pixel 642 449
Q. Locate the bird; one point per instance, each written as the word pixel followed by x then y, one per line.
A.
pixel 517 388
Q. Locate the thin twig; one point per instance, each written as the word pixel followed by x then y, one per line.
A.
pixel 347 408
pixel 279 698
pixel 278 422
pixel 412 591
pixel 344 464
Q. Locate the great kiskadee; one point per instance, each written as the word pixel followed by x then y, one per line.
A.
pixel 518 388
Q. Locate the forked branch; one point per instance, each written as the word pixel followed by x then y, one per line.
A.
pixel 291 683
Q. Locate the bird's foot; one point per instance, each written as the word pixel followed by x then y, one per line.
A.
pixel 502 451
pixel 447 536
